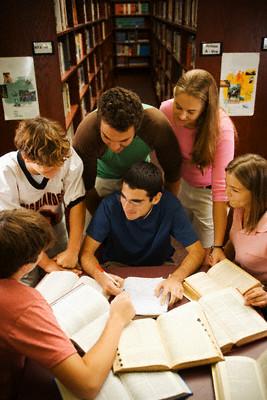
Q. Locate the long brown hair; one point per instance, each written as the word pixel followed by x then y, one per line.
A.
pixel 251 171
pixel 201 84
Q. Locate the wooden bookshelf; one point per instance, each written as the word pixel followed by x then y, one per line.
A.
pixel 84 40
pixel 132 27
pixel 174 24
pixel 70 80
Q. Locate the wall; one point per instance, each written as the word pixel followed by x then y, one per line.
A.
pixel 240 26
pixel 21 23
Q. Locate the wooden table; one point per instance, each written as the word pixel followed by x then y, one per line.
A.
pixel 39 384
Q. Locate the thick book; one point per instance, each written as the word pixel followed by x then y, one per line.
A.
pixel 180 338
pixel 232 322
pixel 138 386
pixel 141 290
pixel 240 377
pixel 57 283
pixel 223 274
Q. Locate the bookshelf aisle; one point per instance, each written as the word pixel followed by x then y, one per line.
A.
pixel 84 39
pixel 174 24
pixel 131 22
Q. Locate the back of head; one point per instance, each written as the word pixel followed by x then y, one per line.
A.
pixel 42 141
pixel 251 171
pixel 23 235
pixel 120 108
pixel 146 176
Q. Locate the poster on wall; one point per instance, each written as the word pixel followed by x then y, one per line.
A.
pixel 18 88
pixel 239 72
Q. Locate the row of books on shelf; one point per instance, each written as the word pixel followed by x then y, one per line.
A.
pixel 208 326
pixel 134 61
pixel 133 49
pixel 181 12
pixel 131 22
pixel 84 42
pixel 131 8
pixel 132 36
pixel 75 12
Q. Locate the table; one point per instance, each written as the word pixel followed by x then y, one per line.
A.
pixel 39 384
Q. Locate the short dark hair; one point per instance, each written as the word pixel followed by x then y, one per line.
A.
pixel 23 235
pixel 146 176
pixel 251 171
pixel 120 108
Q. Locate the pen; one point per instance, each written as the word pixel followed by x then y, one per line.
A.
pixel 112 279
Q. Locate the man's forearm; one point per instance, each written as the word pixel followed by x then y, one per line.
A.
pixel 190 263
pixel 76 227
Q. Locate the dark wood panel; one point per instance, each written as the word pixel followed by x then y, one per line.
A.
pixel 21 23
pixel 240 25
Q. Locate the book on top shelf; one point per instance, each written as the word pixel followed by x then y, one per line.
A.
pixel 240 377
pixel 223 274
pixel 138 386
pixel 180 338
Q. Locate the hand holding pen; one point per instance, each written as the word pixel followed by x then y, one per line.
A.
pixel 112 284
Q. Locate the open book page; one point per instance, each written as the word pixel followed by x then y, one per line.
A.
pixel 225 310
pixel 138 386
pixel 112 389
pixel 155 385
pixel 87 336
pixel 142 293
pixel 227 274
pixel 78 308
pixel 141 348
pixel 237 378
pixel 198 285
pixel 262 367
pixel 187 336
pixel 57 283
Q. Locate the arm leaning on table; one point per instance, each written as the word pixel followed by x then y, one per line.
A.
pixel 172 286
pixel 91 266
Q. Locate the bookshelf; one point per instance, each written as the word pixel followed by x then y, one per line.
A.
pixel 174 24
pixel 84 45
pixel 132 26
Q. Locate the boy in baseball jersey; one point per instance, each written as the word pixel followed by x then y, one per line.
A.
pixel 45 175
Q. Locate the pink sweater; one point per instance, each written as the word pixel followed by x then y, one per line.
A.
pixel 214 174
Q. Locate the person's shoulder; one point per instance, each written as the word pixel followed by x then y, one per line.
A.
pixel 224 119
pixel 262 224
pixel 170 201
pixel 9 159
pixel 110 202
pixel 166 105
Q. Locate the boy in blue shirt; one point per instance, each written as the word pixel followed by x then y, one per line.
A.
pixel 135 226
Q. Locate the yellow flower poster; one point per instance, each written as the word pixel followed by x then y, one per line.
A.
pixel 239 72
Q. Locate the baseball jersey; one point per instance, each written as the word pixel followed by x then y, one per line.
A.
pixel 18 188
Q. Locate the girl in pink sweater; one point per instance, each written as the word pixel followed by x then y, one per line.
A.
pixel 206 136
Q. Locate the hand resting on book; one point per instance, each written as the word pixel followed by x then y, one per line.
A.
pixel 256 297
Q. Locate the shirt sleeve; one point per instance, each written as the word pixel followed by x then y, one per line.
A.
pixel 37 335
pixel 9 195
pixel 87 145
pixel 100 226
pixel 73 182
pixel 182 229
pixel 158 134
pixel 223 155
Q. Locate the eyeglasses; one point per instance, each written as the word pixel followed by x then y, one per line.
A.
pixel 134 203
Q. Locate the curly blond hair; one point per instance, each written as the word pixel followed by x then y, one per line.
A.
pixel 42 141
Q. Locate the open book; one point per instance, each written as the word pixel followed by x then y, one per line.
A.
pixel 223 274
pixel 138 386
pixel 232 322
pixel 180 338
pixel 57 283
pixel 239 377
pixel 141 290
